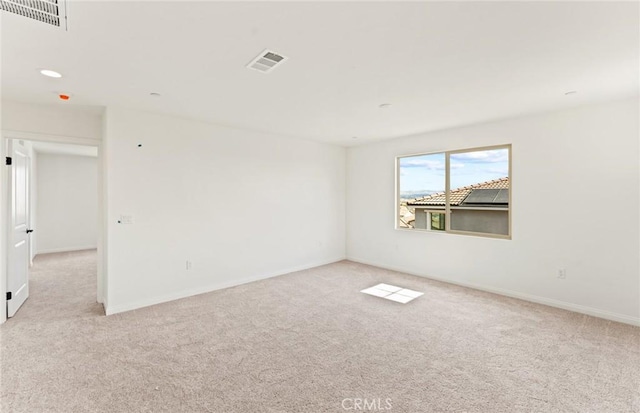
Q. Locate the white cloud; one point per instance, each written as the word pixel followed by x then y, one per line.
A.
pixel 502 171
pixel 424 163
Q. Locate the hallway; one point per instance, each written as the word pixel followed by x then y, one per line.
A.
pixel 41 344
pixel 61 286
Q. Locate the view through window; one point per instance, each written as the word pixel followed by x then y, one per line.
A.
pixel 465 191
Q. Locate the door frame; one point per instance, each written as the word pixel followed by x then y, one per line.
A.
pixel 5 184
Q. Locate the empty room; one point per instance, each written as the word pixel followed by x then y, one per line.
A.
pixel 320 206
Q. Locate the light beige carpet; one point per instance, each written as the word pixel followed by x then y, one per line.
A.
pixel 306 342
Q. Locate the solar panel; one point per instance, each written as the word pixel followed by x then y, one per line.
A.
pixel 481 196
pixel 502 197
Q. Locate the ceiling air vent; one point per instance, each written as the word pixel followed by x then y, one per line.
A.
pixel 52 12
pixel 266 61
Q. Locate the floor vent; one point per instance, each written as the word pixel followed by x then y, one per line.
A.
pixel 51 12
pixel 266 61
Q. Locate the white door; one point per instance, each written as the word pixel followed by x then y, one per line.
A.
pixel 18 257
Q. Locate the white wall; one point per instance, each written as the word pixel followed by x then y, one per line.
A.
pixel 239 205
pixel 67 202
pixel 225 200
pixel 57 120
pixel 579 166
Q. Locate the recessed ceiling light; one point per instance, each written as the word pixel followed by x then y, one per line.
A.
pixel 571 92
pixel 50 73
pixel 384 105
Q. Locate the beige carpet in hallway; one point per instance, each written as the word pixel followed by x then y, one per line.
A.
pixel 306 342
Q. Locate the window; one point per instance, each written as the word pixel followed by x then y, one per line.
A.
pixel 437 221
pixel 464 191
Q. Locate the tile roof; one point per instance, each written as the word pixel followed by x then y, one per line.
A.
pixel 407 218
pixel 458 195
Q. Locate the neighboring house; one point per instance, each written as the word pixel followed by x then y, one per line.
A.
pixel 407 219
pixel 482 207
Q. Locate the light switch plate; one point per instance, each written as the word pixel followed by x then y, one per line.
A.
pixel 126 219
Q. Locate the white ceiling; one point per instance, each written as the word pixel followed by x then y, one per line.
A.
pixel 440 64
pixel 64 149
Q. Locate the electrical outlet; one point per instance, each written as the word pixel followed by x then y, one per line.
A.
pixel 188 266
pixel 562 273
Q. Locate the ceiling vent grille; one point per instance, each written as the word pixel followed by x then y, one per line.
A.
pixel 266 61
pixel 52 12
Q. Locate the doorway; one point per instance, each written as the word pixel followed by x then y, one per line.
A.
pixel 53 216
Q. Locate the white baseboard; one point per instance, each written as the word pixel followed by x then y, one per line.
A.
pixel 109 310
pixel 66 249
pixel 595 312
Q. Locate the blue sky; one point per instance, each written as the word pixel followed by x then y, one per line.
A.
pixel 426 172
